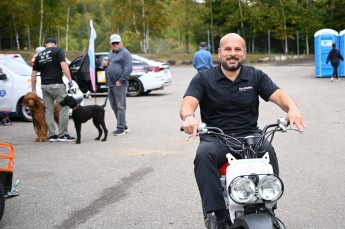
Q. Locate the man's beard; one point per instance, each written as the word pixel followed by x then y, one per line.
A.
pixel 230 68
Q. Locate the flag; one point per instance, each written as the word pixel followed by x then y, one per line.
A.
pixel 91 53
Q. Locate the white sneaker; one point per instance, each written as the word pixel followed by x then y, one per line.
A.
pixel 332 79
pixel 337 79
pixel 88 95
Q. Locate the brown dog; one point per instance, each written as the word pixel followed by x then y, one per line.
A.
pixel 36 107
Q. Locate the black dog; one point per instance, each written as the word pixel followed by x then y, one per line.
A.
pixel 82 114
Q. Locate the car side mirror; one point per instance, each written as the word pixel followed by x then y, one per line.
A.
pixel 3 76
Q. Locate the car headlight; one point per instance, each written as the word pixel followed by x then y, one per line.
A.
pixel 242 189
pixel 270 188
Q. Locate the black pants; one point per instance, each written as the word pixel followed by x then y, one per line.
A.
pixel 85 86
pixel 335 69
pixel 211 155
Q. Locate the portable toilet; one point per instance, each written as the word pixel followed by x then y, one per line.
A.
pixel 341 47
pixel 323 40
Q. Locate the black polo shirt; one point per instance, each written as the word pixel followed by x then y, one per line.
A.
pixel 231 106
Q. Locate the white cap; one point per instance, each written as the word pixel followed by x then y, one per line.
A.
pixel 39 49
pixel 115 38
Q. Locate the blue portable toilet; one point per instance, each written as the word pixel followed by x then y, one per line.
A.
pixel 341 47
pixel 323 40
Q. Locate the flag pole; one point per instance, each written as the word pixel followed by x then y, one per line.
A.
pixel 91 53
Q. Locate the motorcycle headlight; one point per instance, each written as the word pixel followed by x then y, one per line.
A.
pixel 242 189
pixel 270 188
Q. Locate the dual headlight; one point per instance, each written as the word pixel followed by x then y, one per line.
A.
pixel 256 189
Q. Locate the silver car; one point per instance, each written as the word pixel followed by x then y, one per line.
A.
pixel 147 75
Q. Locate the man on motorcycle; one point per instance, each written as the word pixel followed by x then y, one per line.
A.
pixel 228 96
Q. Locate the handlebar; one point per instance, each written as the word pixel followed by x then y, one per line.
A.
pixel 242 145
pixel 282 123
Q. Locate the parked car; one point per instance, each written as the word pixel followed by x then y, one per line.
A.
pixel 17 57
pixel 15 82
pixel 147 75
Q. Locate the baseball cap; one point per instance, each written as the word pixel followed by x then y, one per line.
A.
pixel 115 38
pixel 39 49
pixel 51 40
pixel 203 44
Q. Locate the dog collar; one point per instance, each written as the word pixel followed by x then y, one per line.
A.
pixel 75 107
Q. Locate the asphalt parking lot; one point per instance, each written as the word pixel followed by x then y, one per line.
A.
pixel 145 179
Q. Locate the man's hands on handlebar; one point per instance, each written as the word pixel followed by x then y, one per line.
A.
pixel 190 126
pixel 294 117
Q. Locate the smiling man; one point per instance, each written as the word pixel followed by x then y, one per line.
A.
pixel 228 96
pixel 118 69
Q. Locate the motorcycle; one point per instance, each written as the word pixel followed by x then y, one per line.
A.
pixel 250 188
pixel 7 190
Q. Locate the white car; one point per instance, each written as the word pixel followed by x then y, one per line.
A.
pixel 147 75
pixel 15 83
pixel 17 57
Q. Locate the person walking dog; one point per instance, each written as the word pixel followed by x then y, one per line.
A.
pixel 51 62
pixel 118 69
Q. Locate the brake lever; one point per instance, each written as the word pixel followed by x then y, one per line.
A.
pixel 190 136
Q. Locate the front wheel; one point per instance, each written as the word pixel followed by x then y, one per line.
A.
pixel 2 201
pixel 135 87
pixel 24 112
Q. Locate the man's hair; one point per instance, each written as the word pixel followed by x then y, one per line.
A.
pixel 334 45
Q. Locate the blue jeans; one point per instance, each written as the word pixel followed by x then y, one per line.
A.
pixel 117 99
pixel 55 93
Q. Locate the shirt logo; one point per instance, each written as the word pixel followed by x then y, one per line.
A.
pixel 244 89
pixel 45 57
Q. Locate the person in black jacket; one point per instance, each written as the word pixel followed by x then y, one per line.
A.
pixel 84 80
pixel 334 56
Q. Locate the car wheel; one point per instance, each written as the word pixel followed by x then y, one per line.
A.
pixel 135 87
pixel 24 112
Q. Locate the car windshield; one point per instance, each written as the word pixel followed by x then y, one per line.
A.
pixel 16 66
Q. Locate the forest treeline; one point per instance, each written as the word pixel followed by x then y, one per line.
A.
pixel 169 26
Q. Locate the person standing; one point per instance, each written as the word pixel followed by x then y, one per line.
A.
pixel 202 59
pixel 118 69
pixel 228 96
pixel 84 80
pixel 37 50
pixel 52 64
pixel 334 56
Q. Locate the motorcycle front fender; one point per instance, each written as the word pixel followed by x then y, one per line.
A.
pixel 252 221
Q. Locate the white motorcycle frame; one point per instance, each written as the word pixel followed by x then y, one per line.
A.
pixel 242 167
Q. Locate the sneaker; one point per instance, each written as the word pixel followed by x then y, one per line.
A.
pixel 332 79
pixel 53 138
pixel 119 132
pixel 66 138
pixel 224 224
pixel 126 129
pixel 337 79
pixel 88 95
